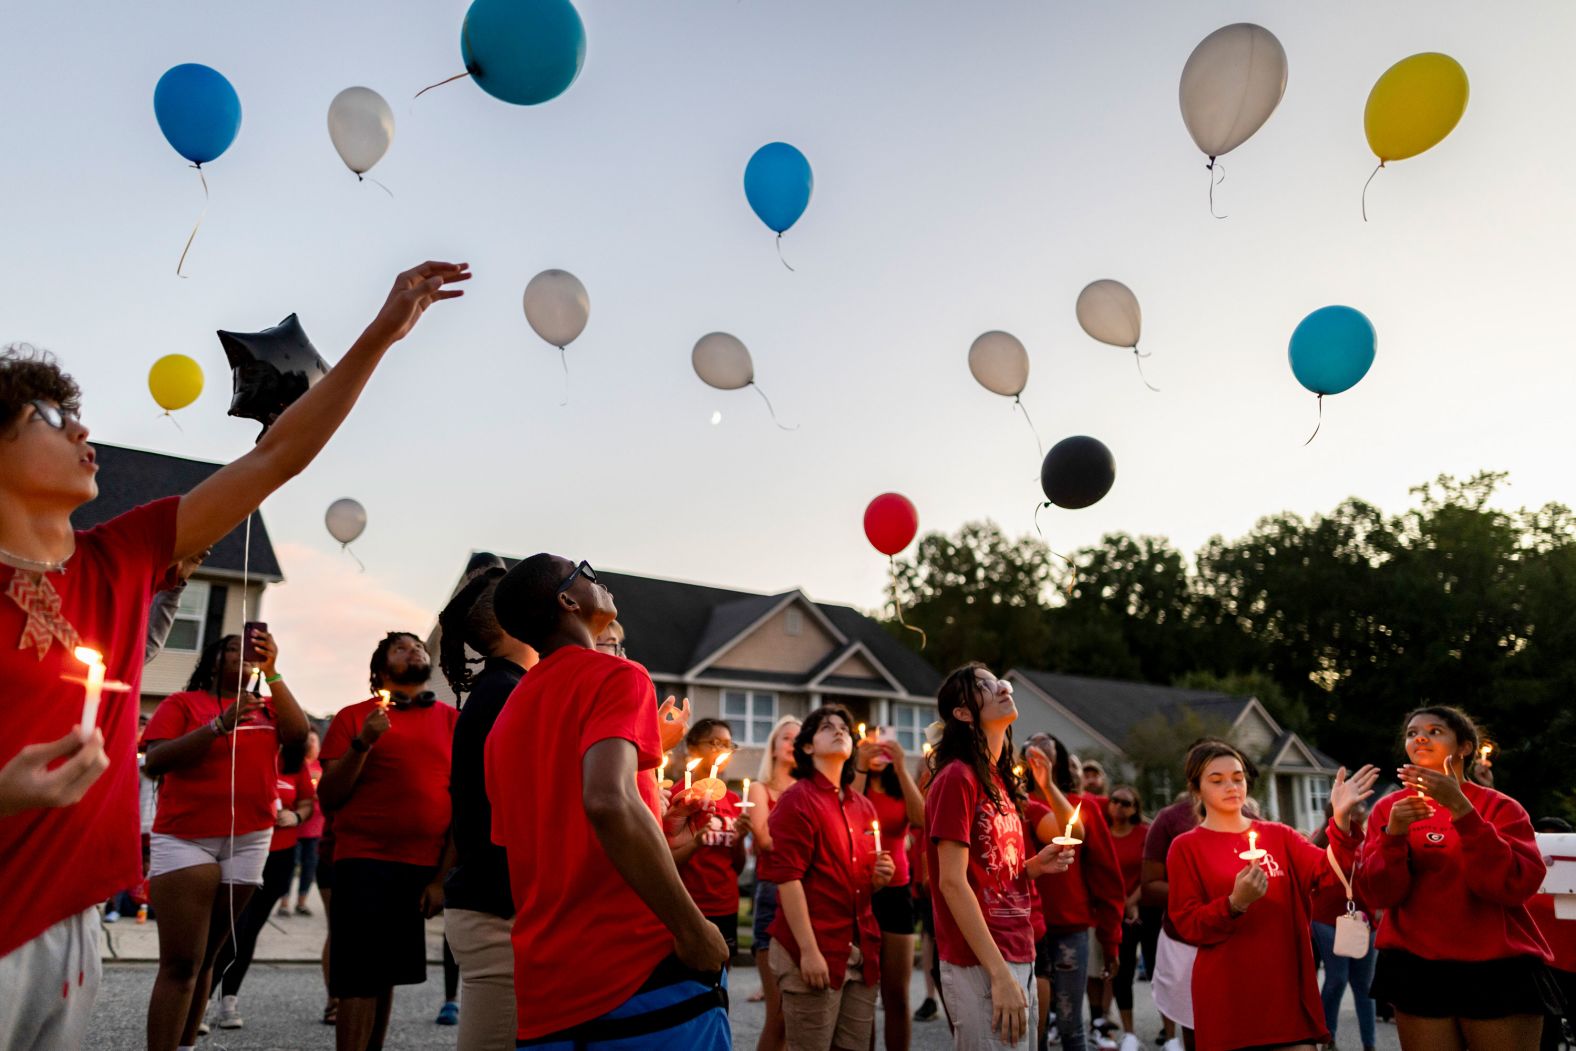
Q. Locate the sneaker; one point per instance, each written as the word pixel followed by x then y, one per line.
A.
pixel 302 910
pixel 229 1014
pixel 1103 1042
pixel 448 1014
pixel 202 1029
pixel 1174 1044
pixel 112 916
pixel 1052 1034
pixel 284 911
pixel 927 1010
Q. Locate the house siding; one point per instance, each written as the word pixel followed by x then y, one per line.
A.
pixel 170 670
pixel 770 648
pixel 1254 735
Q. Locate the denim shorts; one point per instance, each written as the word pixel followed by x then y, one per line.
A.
pixel 765 913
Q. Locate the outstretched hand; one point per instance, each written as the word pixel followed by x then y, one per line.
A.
pixel 673 720
pixel 1347 792
pixel 414 291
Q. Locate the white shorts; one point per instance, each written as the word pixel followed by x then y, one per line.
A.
pixel 965 991
pixel 1172 984
pixel 34 1015
pixel 240 860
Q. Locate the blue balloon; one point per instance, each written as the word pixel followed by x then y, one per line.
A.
pixel 198 111
pixel 778 182
pixel 1332 349
pixel 523 51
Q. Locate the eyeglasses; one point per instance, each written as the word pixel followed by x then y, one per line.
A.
pixel 583 569
pixel 1122 802
pixel 610 646
pixel 53 414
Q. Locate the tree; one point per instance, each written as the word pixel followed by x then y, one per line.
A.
pixel 1157 746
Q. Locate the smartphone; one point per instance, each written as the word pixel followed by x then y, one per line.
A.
pixel 248 651
pixel 886 734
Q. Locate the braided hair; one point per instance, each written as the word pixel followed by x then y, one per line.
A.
pixel 205 675
pixel 468 621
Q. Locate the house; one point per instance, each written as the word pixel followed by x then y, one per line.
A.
pixel 211 602
pixel 752 658
pixel 1097 717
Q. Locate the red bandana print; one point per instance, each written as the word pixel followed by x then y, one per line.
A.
pixel 38 599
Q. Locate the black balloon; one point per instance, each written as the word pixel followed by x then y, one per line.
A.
pixel 270 369
pixel 1077 472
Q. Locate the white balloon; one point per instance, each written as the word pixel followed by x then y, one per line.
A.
pixel 722 361
pixel 1108 311
pixel 1000 364
pixel 557 306
pixel 1231 84
pixel 361 126
pixel 345 520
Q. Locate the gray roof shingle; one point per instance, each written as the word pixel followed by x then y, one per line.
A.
pixel 1113 707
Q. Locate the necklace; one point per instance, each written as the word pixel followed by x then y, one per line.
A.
pixel 32 565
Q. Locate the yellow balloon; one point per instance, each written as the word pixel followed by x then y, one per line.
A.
pixel 1414 105
pixel 175 381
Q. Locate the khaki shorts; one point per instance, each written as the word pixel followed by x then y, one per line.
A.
pixel 817 1019
pixel 966 992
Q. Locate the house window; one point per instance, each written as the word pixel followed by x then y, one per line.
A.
pixel 186 634
pixel 909 722
pixel 1317 794
pixel 793 622
pixel 751 713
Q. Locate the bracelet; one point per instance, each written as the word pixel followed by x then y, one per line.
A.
pixel 273 678
pixel 217 727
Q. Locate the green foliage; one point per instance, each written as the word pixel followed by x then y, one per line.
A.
pixel 1157 745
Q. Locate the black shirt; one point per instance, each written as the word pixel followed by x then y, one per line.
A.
pixel 479 880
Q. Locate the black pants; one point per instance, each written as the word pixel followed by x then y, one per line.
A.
pixel 1122 987
pixel 235 958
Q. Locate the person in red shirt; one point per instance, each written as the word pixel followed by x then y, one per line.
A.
pixel 1253 981
pixel 1452 864
pixel 981 870
pixel 1088 896
pixel 772 780
pixel 881 775
pixel 311 833
pixel 295 800
pixel 1328 905
pixel 214 746
pixel 826 947
pixel 1124 811
pixel 608 945
pixel 1561 936
pixel 709 851
pixel 69 824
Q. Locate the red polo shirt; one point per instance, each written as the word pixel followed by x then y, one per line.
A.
pixel 820 836
pixel 399 809
pixel 58 861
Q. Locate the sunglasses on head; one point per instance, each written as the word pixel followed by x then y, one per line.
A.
pixel 53 414
pixel 582 570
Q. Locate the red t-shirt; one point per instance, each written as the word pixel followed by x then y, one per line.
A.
pixel 1478 871
pixel 1170 823
pixel 892 812
pixel 399 809
pixel 583 940
pixel 291 790
pixel 1254 981
pixel 56 862
pixel 313 829
pixel 708 874
pixel 194 801
pixel 1560 934
pixel 1130 854
pixel 817 840
pixel 957 809
pixel 1089 894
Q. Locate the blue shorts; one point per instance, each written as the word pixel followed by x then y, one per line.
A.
pixel 676 1010
pixel 765 913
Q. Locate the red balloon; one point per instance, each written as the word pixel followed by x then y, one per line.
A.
pixel 891 522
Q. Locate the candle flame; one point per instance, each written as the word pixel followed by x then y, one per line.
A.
pixel 383 698
pixel 88 655
pixel 692 764
pixel 875 826
pixel 722 761
pixel 1253 839
pixel 862 734
pixel 1074 819
pixel 1486 751
pixel 1017 771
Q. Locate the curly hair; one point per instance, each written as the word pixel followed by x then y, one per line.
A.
pixel 380 656
pixel 469 620
pixel 964 742
pixel 29 374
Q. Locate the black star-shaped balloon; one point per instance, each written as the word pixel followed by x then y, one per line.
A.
pixel 270 370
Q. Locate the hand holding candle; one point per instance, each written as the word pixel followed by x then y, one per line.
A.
pixel 875 830
pixel 711 787
pixel 744 796
pixel 1254 852
pixel 95 688
pixel 1067 839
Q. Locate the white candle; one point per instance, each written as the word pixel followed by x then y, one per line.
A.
pixel 1067 839
pixel 744 796
pixel 689 773
pixel 861 731
pixel 1253 853
pixel 95 688
pixel 875 830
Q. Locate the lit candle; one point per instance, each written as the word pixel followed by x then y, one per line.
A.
pixel 689 773
pixel 744 796
pixel 875 830
pixel 1017 771
pixel 925 749
pixel 711 787
pixel 1067 839
pixel 383 700
pixel 662 773
pixel 1484 752
pixel 95 688
pixel 1253 853
pixel 862 734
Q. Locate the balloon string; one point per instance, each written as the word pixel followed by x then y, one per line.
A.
pixel 1138 359
pixel 897 604
pixel 173 420
pixel 1017 403
pixel 374 182
pixel 1215 166
pixel 771 410
pixel 440 83
pixel 1315 433
pixel 780 258
pixel 563 356
pixel 346 549
pixel 1072 569
pixel 193 235
pixel 1365 189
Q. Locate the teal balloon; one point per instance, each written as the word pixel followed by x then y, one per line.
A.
pixel 777 183
pixel 523 51
pixel 1332 348
pixel 198 111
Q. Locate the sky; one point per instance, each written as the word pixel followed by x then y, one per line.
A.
pixel 975 166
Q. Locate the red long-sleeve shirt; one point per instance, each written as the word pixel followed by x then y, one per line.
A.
pixel 825 843
pixel 1455 889
pixel 1091 893
pixel 1254 979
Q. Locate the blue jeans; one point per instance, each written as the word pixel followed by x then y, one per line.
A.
pixel 637 1024
pixel 1341 971
pixel 1069 985
pixel 306 857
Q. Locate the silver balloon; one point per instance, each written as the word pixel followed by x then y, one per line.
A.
pixel 1109 312
pixel 1231 84
pixel 361 126
pixel 557 306
pixel 1000 363
pixel 346 519
pixel 722 361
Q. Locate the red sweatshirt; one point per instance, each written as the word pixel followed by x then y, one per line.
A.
pixel 1091 893
pixel 1455 889
pixel 1254 980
